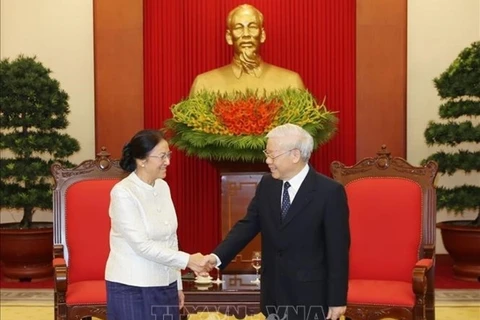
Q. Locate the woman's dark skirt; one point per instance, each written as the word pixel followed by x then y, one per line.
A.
pixel 126 302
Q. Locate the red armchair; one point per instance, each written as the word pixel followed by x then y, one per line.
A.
pixel 392 225
pixel 81 236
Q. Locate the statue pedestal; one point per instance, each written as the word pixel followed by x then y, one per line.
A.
pixel 238 185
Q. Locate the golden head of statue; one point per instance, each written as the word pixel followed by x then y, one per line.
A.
pixel 247 71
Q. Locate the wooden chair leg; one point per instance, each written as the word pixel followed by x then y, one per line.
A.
pixel 430 295
pixel 419 312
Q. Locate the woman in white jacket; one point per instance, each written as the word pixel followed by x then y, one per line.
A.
pixel 143 267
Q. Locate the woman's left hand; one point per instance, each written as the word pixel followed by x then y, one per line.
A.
pixel 181 298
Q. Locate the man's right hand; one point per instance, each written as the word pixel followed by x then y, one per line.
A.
pixel 201 264
pixel 211 261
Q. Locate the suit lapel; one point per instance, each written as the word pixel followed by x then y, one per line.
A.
pixel 275 201
pixel 304 195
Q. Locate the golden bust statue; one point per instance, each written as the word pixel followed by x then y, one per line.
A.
pixel 245 33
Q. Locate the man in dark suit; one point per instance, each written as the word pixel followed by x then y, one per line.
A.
pixel 303 218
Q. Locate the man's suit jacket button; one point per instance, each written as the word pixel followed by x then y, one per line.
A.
pixel 279 253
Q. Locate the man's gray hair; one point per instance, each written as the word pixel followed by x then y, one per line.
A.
pixel 302 140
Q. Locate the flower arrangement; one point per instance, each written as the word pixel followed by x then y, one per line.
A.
pixel 233 126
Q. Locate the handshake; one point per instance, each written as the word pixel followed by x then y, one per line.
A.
pixel 201 264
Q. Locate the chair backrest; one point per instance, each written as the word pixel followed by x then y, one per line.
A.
pixel 392 215
pixel 81 199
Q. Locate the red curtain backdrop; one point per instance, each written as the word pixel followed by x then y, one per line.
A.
pixel 315 38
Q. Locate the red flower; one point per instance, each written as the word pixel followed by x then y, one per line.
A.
pixel 248 116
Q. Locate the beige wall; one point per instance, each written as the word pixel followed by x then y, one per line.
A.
pixel 437 31
pixel 60 34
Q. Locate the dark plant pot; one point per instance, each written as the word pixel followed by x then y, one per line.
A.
pixel 462 242
pixel 26 254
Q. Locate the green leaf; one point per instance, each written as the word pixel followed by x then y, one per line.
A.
pixel 452 133
pixel 458 199
pixel 462 77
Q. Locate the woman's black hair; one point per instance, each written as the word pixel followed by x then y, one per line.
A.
pixel 139 147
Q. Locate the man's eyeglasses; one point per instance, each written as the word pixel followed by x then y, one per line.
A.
pixel 162 156
pixel 268 155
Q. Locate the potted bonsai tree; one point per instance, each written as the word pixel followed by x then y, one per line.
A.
pixel 33 111
pixel 459 87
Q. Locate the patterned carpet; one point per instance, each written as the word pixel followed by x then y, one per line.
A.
pixel 38 305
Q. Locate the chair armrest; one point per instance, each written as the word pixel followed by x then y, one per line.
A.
pixel 59 273
pixel 425 263
pixel 59 262
pixel 419 276
pixel 58 251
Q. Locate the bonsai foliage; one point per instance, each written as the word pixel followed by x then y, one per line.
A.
pixel 33 110
pixel 459 87
pixel 233 126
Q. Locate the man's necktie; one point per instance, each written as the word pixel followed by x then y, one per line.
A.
pixel 285 199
